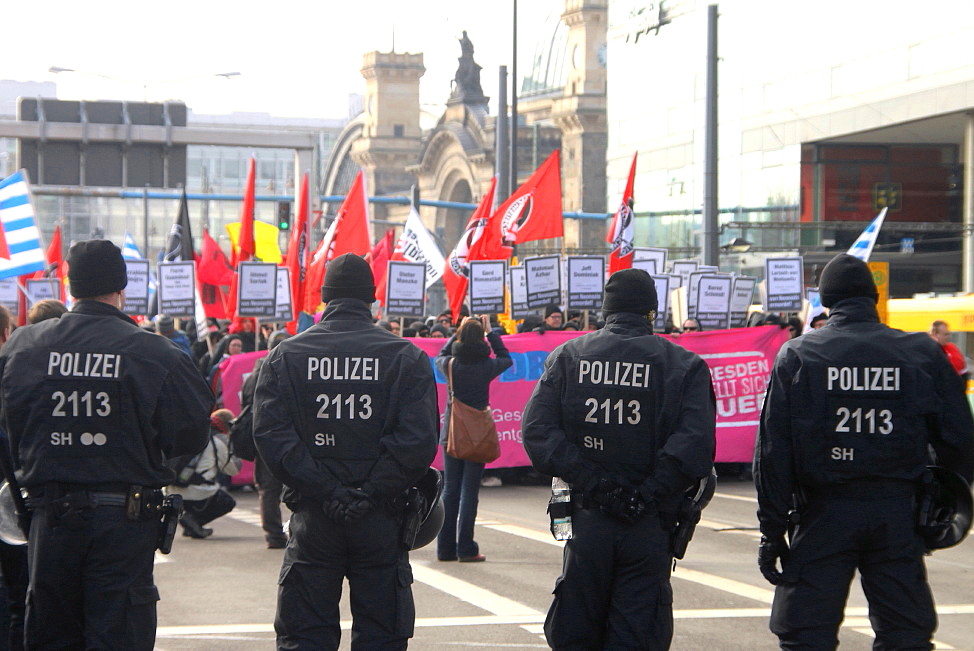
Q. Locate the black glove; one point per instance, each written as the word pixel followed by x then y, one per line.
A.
pixel 624 504
pixel 359 504
pixel 347 504
pixel 769 553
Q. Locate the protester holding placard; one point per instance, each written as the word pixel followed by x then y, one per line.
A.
pixel 627 419
pixel 473 370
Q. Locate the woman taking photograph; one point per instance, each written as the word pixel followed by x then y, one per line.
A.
pixel 473 370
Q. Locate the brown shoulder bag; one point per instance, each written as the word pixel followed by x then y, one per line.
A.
pixel 472 434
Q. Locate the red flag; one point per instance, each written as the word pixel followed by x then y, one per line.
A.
pixel 349 233
pixel 470 247
pixel 379 262
pixel 533 212
pixel 56 267
pixel 213 268
pixel 230 300
pixel 297 249
pixel 620 233
pixel 245 245
pixel 214 302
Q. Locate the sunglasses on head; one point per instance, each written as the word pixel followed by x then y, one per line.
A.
pixel 690 329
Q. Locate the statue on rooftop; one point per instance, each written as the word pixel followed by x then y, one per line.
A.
pixel 466 82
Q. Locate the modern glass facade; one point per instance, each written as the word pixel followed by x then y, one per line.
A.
pixel 820 105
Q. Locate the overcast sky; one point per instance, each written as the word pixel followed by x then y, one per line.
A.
pixel 296 58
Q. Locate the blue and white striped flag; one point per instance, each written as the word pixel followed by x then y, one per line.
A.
pixel 862 248
pixel 130 250
pixel 19 228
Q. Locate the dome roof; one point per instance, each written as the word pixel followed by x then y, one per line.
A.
pixel 549 66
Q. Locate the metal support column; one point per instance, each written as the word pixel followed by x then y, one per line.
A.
pixel 967 242
pixel 501 163
pixel 711 227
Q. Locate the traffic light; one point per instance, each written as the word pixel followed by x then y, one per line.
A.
pixel 284 215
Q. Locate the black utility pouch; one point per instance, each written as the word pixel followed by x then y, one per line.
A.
pixel 133 503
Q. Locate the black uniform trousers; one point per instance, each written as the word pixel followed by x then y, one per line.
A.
pixel 614 591
pixel 13 563
pixel 91 583
pixel 320 554
pixel 875 533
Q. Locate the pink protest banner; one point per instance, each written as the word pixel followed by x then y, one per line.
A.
pixel 233 371
pixel 509 392
pixel 740 363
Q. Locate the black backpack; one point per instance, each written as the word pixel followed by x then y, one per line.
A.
pixel 242 435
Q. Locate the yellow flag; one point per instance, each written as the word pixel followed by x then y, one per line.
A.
pixel 265 240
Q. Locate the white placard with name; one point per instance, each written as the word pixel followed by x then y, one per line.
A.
pixel 683 269
pixel 8 295
pixel 785 284
pixel 662 283
pixel 586 282
pixel 713 301
pixel 283 310
pixel 487 286
pixel 649 266
pixel 177 284
pixel 137 289
pixel 406 289
pixel 41 288
pixel 543 280
pixel 742 296
pixel 257 289
pixel 641 254
pixel 519 294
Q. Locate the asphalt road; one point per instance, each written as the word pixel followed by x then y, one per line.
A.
pixel 220 593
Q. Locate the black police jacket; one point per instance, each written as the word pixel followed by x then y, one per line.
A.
pixel 856 401
pixel 90 398
pixel 345 403
pixel 623 404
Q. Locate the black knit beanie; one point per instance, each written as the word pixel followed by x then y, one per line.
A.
pixel 630 290
pixel 96 268
pixel 348 276
pixel 552 308
pixel 844 277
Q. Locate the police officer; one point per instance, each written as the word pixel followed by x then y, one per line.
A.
pixel 93 405
pixel 843 441
pixel 627 419
pixel 346 415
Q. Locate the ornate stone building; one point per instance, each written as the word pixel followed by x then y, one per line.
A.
pixel 562 104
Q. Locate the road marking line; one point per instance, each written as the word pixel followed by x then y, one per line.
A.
pixel 739 498
pixel 726 585
pixel 523 532
pixel 856 619
pixel 471 593
pixel 726 527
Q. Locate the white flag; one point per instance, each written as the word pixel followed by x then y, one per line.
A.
pixel 417 245
pixel 862 248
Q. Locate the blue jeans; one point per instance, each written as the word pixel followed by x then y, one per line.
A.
pixel 461 487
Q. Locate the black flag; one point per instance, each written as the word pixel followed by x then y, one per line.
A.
pixel 180 245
